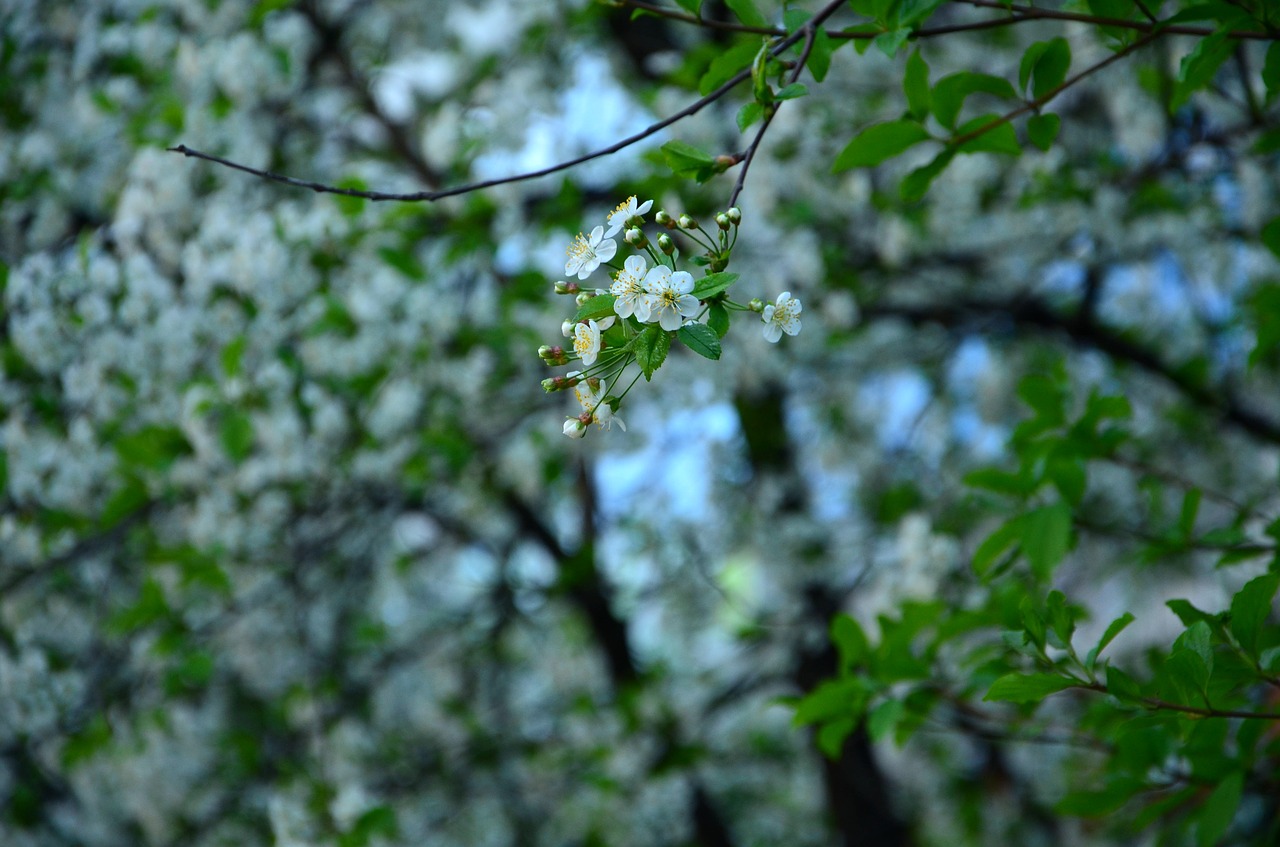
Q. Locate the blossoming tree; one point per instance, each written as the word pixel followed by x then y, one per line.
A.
pixel 293 551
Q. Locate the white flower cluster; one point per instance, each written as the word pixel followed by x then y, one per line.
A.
pixel 650 303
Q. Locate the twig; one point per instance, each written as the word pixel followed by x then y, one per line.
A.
pixel 1033 13
pixel 1034 105
pixel 431 196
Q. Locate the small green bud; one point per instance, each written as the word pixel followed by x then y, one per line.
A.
pixel 546 352
pixel 734 214
pixel 665 244
pixel 583 297
pixel 563 287
pixel 722 221
pixel 756 305
pixel 663 219
pixel 549 384
pixel 687 222
pixel 635 237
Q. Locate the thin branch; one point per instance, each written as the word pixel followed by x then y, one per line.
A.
pixel 1036 104
pixel 431 196
pixel 1156 704
pixel 1027 13
pixel 810 31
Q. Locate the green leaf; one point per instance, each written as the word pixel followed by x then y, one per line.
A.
pixel 749 114
pixel 1000 138
pixel 1182 678
pixel 1250 608
pixel 915 83
pixel 877 143
pixel 820 54
pixel 403 261
pixel 701 339
pixel 851 642
pixel 712 284
pixel 951 91
pixel 600 306
pixel 883 718
pixel 693 7
pixel 1045 65
pixel 1060 618
pixel 1046 536
pixel 1113 629
pixel 831 736
pixel 718 319
pixel 792 91
pixel 233 356
pixel 236 434
pixel 889 43
pixel 1189 614
pixel 688 161
pixel 152 447
pixel 1271 71
pixel 1199 67
pixel 747 12
pixel 1026 688
pixel 1001 482
pixel 916 184
pixel 651 348
pixel 1122 686
pixel 1215 816
pixel 1270 234
pixel 1042 130
pixel 995 546
pixel 728 63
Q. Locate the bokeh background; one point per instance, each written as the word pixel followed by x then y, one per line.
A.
pixel 292 549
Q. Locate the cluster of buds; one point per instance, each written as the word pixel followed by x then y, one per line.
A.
pixel 651 303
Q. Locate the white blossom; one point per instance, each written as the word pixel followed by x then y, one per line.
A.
pixel 625 211
pixel 781 317
pixel 586 341
pixel 669 296
pixel 628 288
pixel 587 252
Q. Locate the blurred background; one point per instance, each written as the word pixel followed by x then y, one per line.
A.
pixel 292 548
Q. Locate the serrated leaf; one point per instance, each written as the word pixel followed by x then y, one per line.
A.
pixel 889 43
pixel 1182 678
pixel 1250 608
pixel 718 319
pixel 950 92
pixel 915 83
pixel 1042 130
pixel 651 347
pixel 820 54
pixel 1026 688
pixel 1199 67
pixel 712 284
pixel 877 143
pixel 701 339
pixel 599 306
pixel 1122 686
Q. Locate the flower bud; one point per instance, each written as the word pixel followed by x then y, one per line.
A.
pixel 545 352
pixel 563 287
pixel 566 329
pixel 734 214
pixel 722 221
pixel 635 237
pixel 756 305
pixel 583 297
pixel 687 222
pixel 575 428
pixel 665 244
pixel 663 219
pixel 549 384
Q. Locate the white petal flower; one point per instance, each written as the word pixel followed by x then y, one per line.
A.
pixel 586 341
pixel 587 252
pixel 575 428
pixel 781 317
pixel 626 210
pixel 669 296
pixel 591 393
pixel 566 329
pixel 628 288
